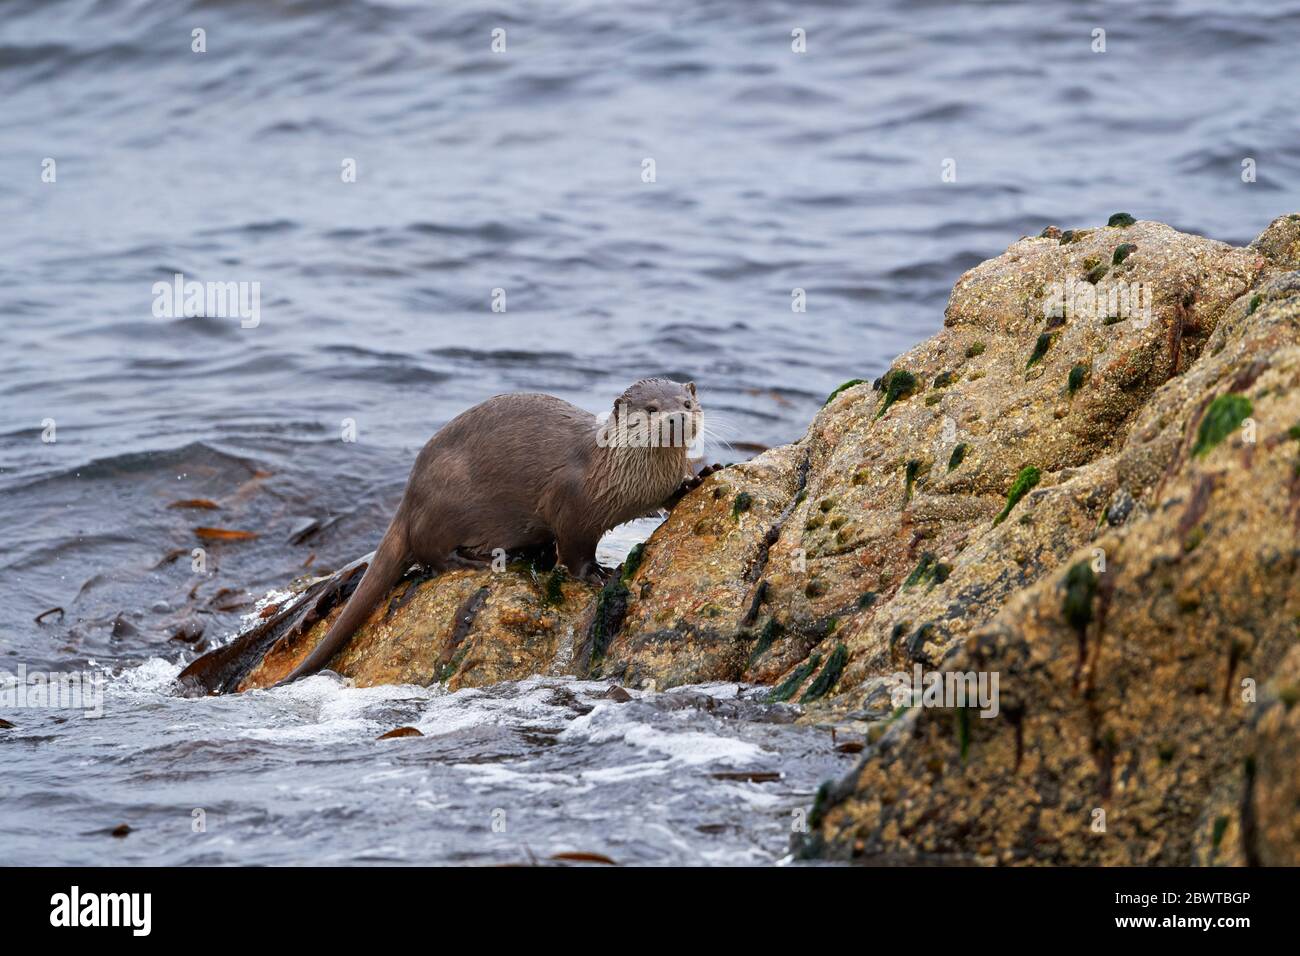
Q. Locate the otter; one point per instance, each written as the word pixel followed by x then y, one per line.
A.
pixel 523 472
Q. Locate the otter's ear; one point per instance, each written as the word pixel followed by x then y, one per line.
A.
pixel 690 387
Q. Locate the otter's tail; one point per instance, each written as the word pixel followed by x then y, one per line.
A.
pixel 386 568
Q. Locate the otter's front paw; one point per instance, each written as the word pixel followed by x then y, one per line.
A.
pixel 693 482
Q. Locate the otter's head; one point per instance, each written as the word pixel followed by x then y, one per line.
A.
pixel 656 413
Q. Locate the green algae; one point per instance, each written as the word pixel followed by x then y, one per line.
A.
pixel 910 472
pixel 924 567
pixel 611 606
pixel 1040 349
pixel 632 563
pixel 929 570
pixel 772 630
pixel 1080 589
pixel 847 385
pixel 553 592
pixel 819 805
pixel 897 384
pixel 1220 828
pixel 1025 480
pixel 829 676
pixel 1222 418
pixel 448 670
pixel 786 689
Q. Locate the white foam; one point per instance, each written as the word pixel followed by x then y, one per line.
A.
pixel 498 775
pixel 607 723
pixel 150 678
pixel 625 772
pixel 282 597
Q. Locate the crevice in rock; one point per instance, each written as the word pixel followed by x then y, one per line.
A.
pixel 465 615
pixel 759 563
pixel 1196 508
pixel 1016 716
pixel 1182 311
pixel 1249 825
pixel 411 590
pixel 1235 651
pixel 751 613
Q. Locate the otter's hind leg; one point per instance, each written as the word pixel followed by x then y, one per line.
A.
pixel 459 559
pixel 576 549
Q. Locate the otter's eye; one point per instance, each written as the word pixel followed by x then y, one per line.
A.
pixel 652 409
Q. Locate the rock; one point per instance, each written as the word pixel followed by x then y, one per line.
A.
pixel 1280 242
pixel 1139 709
pixel 1270 811
pixel 464 628
pixel 1087 482
pixel 696 598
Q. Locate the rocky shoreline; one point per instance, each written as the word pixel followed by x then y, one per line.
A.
pixel 1088 484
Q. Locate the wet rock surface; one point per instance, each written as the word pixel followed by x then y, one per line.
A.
pixel 1086 483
